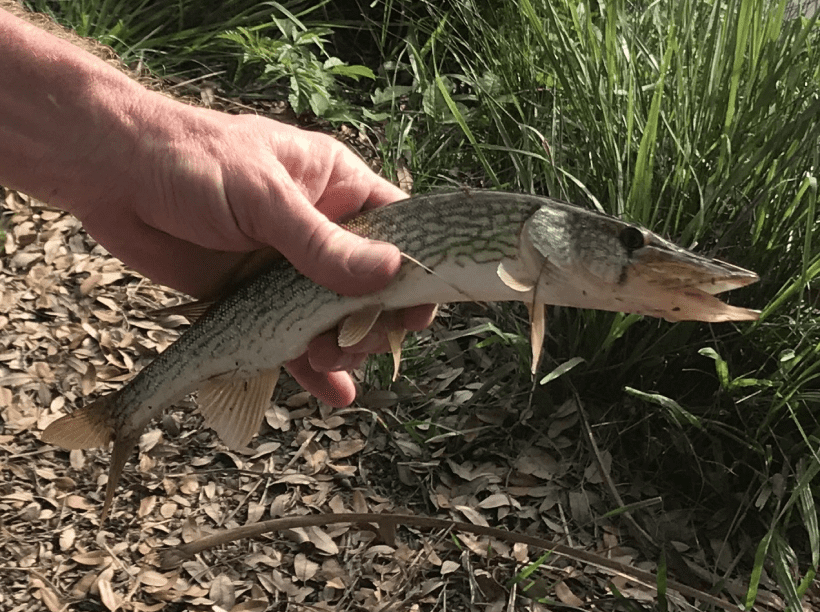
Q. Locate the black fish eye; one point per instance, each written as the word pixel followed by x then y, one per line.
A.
pixel 632 238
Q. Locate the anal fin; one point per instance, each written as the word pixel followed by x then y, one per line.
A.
pixel 234 407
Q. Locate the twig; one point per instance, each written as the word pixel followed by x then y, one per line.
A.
pixel 174 557
pixel 643 537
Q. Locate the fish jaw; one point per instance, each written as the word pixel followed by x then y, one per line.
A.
pixel 679 285
pixel 649 296
pixel 677 303
pixel 587 260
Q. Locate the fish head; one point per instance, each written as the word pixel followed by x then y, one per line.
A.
pixel 584 259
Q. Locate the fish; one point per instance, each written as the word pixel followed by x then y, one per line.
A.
pixel 467 245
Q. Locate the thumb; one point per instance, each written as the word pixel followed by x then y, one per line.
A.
pixel 338 259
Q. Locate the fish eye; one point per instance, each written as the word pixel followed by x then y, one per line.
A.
pixel 632 238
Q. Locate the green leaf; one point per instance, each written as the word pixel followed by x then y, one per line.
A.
pixel 354 72
pixel 465 128
pixel 640 201
pixel 562 369
pixel 678 413
pixel 721 367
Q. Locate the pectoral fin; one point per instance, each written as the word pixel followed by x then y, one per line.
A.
pixel 234 408
pixel 514 277
pixel 356 326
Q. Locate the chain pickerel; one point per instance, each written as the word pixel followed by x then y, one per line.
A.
pixel 457 246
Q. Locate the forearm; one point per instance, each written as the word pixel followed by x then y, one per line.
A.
pixel 65 117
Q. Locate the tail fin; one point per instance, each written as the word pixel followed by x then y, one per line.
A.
pixel 119 455
pixel 91 427
pixel 88 427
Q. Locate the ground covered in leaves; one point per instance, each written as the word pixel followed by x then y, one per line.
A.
pixel 453 441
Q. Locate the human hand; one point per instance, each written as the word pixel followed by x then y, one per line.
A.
pixel 206 202
pixel 192 198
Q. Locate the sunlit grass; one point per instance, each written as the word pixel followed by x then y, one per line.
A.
pixel 698 120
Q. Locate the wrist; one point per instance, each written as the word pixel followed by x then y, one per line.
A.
pixel 70 121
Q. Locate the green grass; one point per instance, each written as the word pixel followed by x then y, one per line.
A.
pixel 699 121
pixel 696 119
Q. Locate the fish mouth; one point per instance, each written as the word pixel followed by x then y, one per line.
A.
pixel 681 286
pixel 695 304
pixel 727 278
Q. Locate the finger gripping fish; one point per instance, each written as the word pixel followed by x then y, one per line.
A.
pixel 457 246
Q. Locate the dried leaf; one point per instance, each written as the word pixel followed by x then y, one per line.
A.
pixel 448 567
pixel 82 587
pixel 566 596
pixel 167 510
pixel 110 599
pixel 580 507
pixel 303 568
pixel 78 503
pixel 321 540
pixel 51 600
pixel 472 516
pixel 190 530
pixel 67 537
pixel 222 592
pixel 147 505
pixel 189 485
pixel 496 500
pixel 298 400
pixel 346 448
pixel 537 462
pixel 153 578
pixel 593 471
pixel 255 512
pixel 97 557
pixel 251 605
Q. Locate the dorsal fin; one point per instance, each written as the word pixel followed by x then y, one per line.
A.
pixel 190 310
pixel 234 407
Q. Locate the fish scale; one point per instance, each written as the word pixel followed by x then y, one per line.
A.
pixel 457 246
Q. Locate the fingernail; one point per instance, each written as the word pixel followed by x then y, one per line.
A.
pixel 349 361
pixel 369 344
